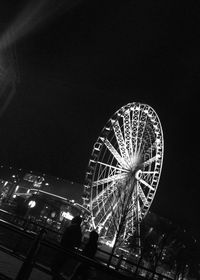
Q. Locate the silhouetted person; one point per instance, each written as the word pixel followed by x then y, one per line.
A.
pixel 20 210
pixel 21 207
pixel 71 238
pixel 82 270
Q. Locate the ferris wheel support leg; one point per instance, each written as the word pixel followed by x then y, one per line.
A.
pixel 138 237
pixel 138 244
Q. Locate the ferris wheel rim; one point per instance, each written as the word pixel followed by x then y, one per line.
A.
pixel 122 163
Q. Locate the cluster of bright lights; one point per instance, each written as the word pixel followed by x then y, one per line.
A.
pixel 67 215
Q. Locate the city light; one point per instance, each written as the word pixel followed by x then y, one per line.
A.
pixel 67 215
pixel 32 203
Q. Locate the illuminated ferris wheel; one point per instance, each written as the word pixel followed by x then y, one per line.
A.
pixel 124 170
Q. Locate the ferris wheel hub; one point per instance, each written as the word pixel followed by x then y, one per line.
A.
pixel 138 174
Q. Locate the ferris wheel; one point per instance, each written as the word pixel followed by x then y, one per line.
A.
pixel 124 170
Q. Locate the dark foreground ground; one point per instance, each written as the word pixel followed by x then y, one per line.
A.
pixel 9 267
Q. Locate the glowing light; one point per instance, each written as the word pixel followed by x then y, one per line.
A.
pixel 32 203
pixel 53 214
pixel 67 215
pixel 109 244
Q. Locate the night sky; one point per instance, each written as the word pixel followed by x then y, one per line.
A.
pixel 77 64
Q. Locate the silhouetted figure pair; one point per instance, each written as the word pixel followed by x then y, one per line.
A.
pixel 83 270
pixel 71 238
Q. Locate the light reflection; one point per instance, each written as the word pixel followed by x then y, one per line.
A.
pixel 33 14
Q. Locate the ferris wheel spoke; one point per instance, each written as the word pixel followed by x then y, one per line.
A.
pixel 149 161
pixel 138 212
pixel 128 132
pixel 137 139
pixel 135 125
pixel 142 195
pixel 120 140
pixel 104 195
pixel 114 152
pixel 109 219
pixel 146 184
pixel 110 196
pixel 106 214
pixel 111 166
pixel 149 172
pixel 109 179
pixel 105 218
pixel 151 148
pixel 143 127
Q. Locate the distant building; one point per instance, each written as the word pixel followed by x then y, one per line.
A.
pixel 22 180
pixel 49 201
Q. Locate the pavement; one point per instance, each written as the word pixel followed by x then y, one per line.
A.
pixel 9 268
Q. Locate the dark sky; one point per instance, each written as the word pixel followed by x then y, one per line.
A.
pixel 76 68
